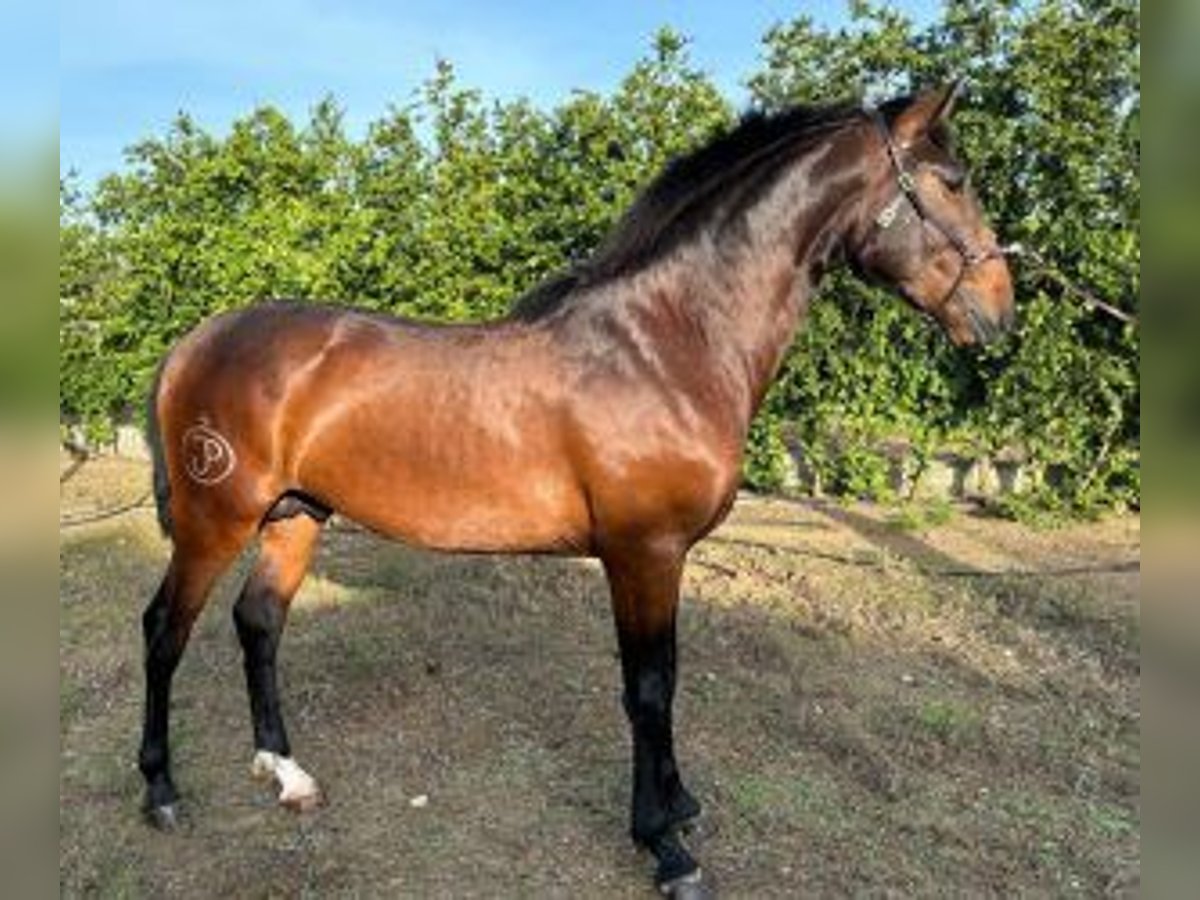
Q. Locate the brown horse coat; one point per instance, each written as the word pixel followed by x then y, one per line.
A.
pixel 605 416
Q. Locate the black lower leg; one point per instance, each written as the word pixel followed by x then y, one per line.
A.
pixel 681 805
pixel 659 798
pixel 163 649
pixel 259 617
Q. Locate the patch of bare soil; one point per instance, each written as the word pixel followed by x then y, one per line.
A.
pixel 863 710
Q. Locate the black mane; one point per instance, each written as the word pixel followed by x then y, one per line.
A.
pixel 732 169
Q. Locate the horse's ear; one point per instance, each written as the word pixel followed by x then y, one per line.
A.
pixel 927 110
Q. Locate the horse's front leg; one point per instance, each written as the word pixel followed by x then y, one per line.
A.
pixel 645 595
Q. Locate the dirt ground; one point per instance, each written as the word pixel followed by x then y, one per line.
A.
pixel 867 707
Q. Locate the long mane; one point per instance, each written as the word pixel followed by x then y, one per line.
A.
pixel 702 189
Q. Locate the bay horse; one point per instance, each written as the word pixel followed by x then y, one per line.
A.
pixel 604 416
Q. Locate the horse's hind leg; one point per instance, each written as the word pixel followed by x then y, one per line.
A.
pixel 166 624
pixel 286 550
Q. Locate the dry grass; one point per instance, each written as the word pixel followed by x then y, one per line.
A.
pixel 854 725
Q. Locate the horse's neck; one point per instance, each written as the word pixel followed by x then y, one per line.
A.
pixel 753 300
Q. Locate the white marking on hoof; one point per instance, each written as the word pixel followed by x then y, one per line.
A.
pixel 164 818
pixel 685 886
pixel 297 789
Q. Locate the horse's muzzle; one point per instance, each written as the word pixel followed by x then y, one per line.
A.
pixel 984 328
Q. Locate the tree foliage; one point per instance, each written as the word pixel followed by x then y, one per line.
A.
pixel 451 206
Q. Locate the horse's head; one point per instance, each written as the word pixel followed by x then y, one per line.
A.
pixel 923 232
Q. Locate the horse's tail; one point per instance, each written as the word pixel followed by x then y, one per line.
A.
pixel 162 480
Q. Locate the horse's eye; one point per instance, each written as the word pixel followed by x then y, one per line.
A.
pixel 952 176
pixel 955 178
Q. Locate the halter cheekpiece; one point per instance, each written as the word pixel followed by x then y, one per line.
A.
pixel 970 254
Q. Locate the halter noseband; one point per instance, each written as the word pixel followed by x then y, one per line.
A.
pixel 970 254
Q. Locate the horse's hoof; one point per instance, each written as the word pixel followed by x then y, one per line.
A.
pixel 302 803
pixel 164 818
pixel 298 791
pixel 687 887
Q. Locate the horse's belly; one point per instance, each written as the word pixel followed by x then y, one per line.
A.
pixel 540 514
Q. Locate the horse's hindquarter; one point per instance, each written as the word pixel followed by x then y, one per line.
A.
pixel 449 438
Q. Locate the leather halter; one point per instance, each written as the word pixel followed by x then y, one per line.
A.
pixel 970 254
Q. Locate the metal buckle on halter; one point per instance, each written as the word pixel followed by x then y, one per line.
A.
pixel 904 178
pixel 888 214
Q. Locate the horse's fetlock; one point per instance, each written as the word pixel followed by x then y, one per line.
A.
pixel 649 827
pixel 152 761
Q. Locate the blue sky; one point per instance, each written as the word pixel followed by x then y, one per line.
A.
pixel 126 67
